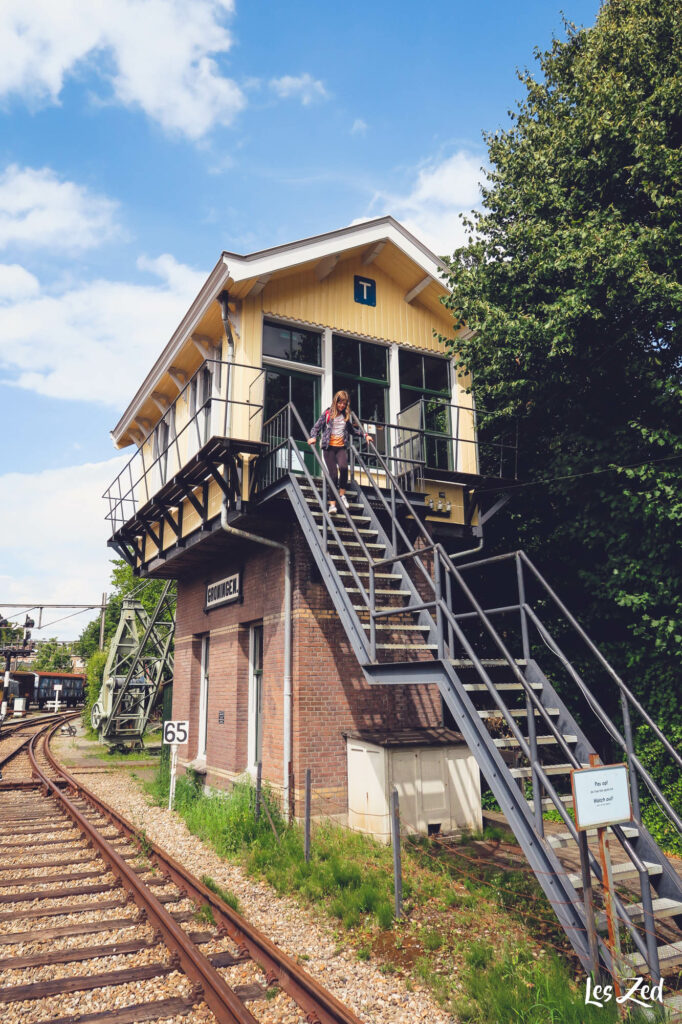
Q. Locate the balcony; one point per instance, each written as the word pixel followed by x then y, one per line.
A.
pixel 209 447
pixel 192 457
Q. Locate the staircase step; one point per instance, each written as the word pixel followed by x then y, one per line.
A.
pixel 365 572
pixel 399 628
pixel 624 870
pixel 317 512
pixel 481 687
pixel 516 713
pixel 357 544
pixel 669 956
pixel 566 798
pixel 363 531
pixel 407 647
pixel 663 907
pixel 511 741
pixel 549 769
pixel 390 593
pixel 486 662
pixel 398 609
pixel 559 839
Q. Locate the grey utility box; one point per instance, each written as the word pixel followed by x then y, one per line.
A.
pixel 437 779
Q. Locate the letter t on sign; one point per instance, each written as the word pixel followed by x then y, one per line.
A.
pixel 365 290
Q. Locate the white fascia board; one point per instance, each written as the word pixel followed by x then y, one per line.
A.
pixel 269 261
pixel 214 283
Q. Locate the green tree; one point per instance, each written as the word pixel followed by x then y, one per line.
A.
pixel 572 283
pixel 52 656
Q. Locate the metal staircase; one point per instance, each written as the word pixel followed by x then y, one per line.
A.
pixel 413 616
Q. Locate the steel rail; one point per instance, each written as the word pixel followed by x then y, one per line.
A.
pixel 223 1002
pixel 42 725
pixel 320 1005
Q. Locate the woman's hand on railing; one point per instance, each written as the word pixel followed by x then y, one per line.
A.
pixel 311 440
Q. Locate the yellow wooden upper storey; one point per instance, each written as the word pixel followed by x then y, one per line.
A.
pixel 310 283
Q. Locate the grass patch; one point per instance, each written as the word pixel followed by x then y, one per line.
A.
pixel 225 895
pixel 520 987
pixel 205 914
pixel 467 934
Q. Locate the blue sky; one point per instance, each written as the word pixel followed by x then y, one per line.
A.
pixel 140 138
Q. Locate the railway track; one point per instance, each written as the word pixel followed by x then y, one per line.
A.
pixel 15 765
pixel 99 924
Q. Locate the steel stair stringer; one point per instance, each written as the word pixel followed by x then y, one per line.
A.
pixel 335 587
pixel 668 883
pixel 549 871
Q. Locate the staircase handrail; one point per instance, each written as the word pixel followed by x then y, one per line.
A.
pixel 328 484
pixel 625 690
pixel 442 608
pixel 537 767
pixel 623 687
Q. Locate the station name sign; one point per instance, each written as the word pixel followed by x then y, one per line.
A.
pixel 223 591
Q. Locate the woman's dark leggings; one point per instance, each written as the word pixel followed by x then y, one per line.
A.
pixel 336 461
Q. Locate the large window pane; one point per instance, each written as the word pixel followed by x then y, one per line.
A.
pixel 303 397
pixel 346 355
pixel 305 347
pixel 294 344
pixel 372 402
pixel 437 452
pixel 276 392
pixel 276 341
pixel 410 369
pixel 436 375
pixel 347 384
pixel 436 416
pixel 373 361
pixel 408 397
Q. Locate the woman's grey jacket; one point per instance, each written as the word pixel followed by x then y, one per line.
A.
pixel 325 424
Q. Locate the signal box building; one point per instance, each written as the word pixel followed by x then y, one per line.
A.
pixel 304 639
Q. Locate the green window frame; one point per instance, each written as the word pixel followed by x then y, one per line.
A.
pixel 428 377
pixel 362 369
pixel 292 344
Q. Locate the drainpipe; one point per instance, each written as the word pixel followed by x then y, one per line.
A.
pixel 224 300
pixel 287 639
pixel 469 551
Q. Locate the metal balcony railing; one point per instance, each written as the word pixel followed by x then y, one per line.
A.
pixel 201 411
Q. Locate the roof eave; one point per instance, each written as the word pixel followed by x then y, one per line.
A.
pixel 216 280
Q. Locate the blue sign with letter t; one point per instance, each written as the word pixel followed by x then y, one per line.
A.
pixel 365 290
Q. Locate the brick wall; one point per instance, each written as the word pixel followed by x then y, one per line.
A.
pixel 330 694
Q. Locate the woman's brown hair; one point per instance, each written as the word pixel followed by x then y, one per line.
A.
pixel 333 409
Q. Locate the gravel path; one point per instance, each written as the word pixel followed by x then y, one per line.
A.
pixel 376 998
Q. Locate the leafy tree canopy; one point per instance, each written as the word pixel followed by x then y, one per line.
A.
pixel 52 656
pixel 572 283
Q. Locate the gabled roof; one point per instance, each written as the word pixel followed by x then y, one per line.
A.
pixel 307 250
pixel 243 275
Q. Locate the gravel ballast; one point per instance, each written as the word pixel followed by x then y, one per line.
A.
pixel 375 997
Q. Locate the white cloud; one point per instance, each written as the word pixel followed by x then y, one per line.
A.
pixel 302 87
pixel 442 191
pixel 55 550
pixel 158 55
pixel 39 210
pixel 16 282
pixel 359 127
pixel 90 341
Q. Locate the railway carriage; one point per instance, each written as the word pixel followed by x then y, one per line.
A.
pixel 39 687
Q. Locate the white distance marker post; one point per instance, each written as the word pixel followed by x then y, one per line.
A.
pixel 174 733
pixel 57 691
